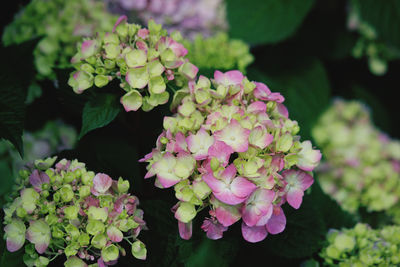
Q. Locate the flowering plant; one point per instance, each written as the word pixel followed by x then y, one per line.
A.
pixel 362 166
pixel 69 210
pixel 232 147
pixel 362 246
pixel 143 60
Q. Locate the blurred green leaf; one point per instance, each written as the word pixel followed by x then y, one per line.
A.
pixel 384 16
pixel 305 87
pixel 99 112
pixel 16 72
pixel 266 21
pixel 210 253
pixel 10 259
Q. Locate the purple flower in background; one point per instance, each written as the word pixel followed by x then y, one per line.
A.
pixel 187 16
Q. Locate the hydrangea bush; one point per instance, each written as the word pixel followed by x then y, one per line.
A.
pixel 143 60
pixel 190 17
pixel 61 23
pixel 67 209
pixel 232 147
pixel 218 52
pixel 362 167
pixel 362 246
pixel 54 137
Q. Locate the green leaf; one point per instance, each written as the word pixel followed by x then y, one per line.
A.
pixel 99 112
pixel 10 259
pixel 7 178
pixel 16 72
pixel 211 253
pixel 305 87
pixel 266 21
pixel 384 16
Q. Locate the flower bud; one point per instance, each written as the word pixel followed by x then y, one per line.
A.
pixel 66 193
pixel 139 250
pixel 99 241
pixel 132 100
pixel 84 191
pixel 71 212
pixel 101 80
pixel 189 70
pixel 123 185
pixel 136 58
pixel 94 227
pixel 74 262
pixel 110 253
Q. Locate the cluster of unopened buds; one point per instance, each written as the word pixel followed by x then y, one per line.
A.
pixel 362 246
pixel 218 52
pixel 190 17
pixel 362 166
pixel 144 61
pixel 69 210
pixel 231 147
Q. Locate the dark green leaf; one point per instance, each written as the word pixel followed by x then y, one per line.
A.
pixel 266 21
pixel 99 112
pixel 16 72
pixel 10 259
pixel 210 253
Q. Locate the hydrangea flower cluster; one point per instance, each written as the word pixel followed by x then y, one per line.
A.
pixel 369 45
pixel 362 165
pixel 219 52
pixel 69 210
pixel 54 137
pixel 62 23
pixel 190 17
pixel 143 60
pixel 363 246
pixel 232 147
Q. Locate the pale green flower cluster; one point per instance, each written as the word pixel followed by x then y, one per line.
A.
pixel 362 165
pixel 65 209
pixel 369 45
pixel 362 246
pixel 61 23
pixel 219 52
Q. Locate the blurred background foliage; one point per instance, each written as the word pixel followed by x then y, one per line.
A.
pixel 307 50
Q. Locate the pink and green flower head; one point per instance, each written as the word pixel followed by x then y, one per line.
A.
pixel 67 209
pixel 241 157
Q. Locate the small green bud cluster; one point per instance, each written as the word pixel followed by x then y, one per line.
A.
pixel 219 52
pixel 368 45
pixel 67 209
pixel 362 246
pixel 144 61
pixel 62 23
pixel 362 166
